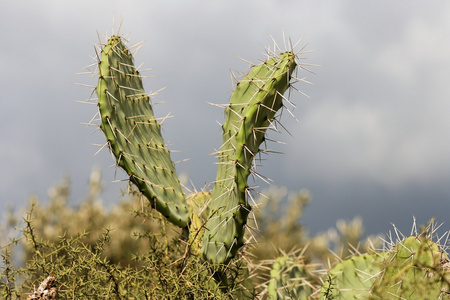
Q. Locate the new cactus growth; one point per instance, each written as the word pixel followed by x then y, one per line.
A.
pixel 134 135
pixel 198 202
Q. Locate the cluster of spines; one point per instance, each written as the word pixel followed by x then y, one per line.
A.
pixel 133 133
pixel 253 105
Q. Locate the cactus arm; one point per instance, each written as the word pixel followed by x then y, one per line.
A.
pixel 134 134
pixel 252 109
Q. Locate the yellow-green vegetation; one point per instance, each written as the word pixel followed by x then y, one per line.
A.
pixel 130 251
pixel 127 252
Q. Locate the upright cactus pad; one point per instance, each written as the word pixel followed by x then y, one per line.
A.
pixel 134 134
pixel 200 212
pixel 251 111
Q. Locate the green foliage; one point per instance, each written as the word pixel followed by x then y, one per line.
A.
pixel 277 216
pixel 131 252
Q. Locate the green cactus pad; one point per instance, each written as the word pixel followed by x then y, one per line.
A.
pixel 134 134
pixel 251 111
pixel 288 280
pixel 352 278
pixel 413 270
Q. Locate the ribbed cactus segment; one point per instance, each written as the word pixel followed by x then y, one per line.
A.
pixel 252 109
pixel 134 134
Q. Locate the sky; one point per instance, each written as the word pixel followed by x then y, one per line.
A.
pixel 371 139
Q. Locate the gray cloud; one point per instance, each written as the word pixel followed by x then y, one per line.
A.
pixel 371 141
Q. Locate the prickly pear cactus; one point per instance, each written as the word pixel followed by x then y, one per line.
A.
pixel 134 135
pixel 352 278
pixel 414 269
pixel 289 280
pixel 251 111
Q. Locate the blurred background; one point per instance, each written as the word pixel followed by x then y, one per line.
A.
pixel 371 141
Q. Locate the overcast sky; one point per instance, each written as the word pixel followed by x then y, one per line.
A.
pixel 373 139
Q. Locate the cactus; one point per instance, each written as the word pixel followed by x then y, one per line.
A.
pixel 134 136
pixel 289 279
pixel 352 278
pixel 251 111
pixel 215 222
pixel 414 269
